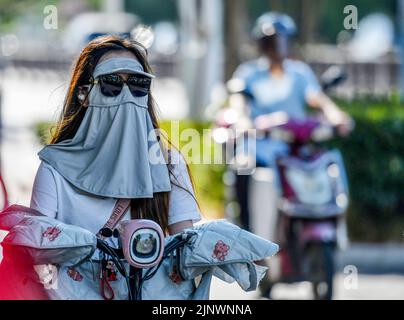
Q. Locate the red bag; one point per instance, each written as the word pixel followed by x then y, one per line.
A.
pixel 18 278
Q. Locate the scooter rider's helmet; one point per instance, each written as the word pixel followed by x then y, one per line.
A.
pixel 272 30
pixel 272 25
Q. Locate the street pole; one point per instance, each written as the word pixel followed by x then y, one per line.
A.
pixel 202 51
pixel 235 34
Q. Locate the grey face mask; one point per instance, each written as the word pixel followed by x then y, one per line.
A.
pixel 115 152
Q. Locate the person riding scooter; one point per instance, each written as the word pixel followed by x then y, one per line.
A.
pixel 272 88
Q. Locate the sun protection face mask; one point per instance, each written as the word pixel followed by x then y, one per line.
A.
pixel 115 152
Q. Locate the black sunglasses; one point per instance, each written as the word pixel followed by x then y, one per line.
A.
pixel 111 84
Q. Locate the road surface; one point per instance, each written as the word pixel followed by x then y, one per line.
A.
pixel 370 287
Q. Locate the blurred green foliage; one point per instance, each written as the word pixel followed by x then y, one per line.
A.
pixel 11 11
pixel 328 14
pixel 374 159
pixel 152 11
pixel 331 16
pixel 43 132
pixel 207 178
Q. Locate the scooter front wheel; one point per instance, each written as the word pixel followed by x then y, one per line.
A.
pixel 321 268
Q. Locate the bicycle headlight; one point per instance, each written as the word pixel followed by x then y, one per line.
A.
pixel 142 242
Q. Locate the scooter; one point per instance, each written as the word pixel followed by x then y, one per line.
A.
pixel 141 244
pixel 311 207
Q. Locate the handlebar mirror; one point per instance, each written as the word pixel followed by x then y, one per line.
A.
pixel 332 77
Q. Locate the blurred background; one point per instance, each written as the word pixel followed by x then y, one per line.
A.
pixel 194 48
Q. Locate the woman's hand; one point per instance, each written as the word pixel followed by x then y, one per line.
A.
pixel 346 127
pixel 334 115
pixel 274 119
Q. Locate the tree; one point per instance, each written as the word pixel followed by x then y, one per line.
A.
pixel 309 10
pixel 235 35
pixel 277 5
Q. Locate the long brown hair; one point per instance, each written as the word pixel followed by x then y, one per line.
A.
pixel 155 208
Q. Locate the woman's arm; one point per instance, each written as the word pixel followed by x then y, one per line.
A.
pixel 44 192
pixel 239 103
pixel 332 112
pixel 180 226
pixel 183 207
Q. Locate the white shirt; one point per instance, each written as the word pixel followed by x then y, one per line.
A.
pixel 55 197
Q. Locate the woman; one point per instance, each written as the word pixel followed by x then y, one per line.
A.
pixel 105 147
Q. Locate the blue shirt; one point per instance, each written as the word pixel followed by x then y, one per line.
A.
pixel 269 94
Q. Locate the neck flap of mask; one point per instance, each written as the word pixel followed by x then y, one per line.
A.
pixel 115 152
